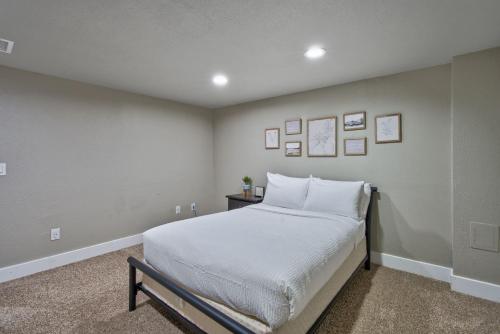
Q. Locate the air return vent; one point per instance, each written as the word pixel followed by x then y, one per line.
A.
pixel 6 46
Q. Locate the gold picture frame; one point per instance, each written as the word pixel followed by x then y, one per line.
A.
pixel 296 132
pixel 272 138
pixel 292 149
pixel 388 128
pixel 320 139
pixel 354 151
pixel 351 122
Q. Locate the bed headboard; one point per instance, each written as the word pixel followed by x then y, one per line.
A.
pixel 368 222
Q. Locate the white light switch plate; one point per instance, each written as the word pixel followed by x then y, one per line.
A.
pixel 3 168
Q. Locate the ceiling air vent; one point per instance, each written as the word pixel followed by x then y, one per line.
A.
pixel 6 46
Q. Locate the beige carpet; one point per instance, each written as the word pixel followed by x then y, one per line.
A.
pixel 91 297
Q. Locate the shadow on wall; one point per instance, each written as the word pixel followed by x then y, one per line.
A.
pixel 392 234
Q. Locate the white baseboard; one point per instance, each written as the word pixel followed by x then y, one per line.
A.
pixel 50 262
pixel 425 269
pixel 475 288
pixel 460 284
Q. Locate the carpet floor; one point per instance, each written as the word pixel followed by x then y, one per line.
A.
pixel 92 297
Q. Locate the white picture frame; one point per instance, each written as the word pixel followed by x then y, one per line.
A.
pixel 272 138
pixel 388 129
pixel 259 191
pixel 322 137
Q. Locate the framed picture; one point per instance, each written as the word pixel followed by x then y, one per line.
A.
pixel 388 129
pixel 259 191
pixel 322 137
pixel 293 126
pixel 272 138
pixel 293 149
pixel 355 146
pixel 355 121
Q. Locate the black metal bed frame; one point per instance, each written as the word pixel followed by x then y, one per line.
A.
pixel 210 311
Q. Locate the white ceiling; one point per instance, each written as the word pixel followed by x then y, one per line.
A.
pixel 171 49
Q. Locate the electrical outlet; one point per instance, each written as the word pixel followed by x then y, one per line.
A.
pixel 55 233
pixel 177 209
pixel 193 206
pixel 3 168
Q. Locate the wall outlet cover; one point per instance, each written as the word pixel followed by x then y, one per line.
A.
pixel 177 209
pixel 3 168
pixel 55 233
pixel 484 236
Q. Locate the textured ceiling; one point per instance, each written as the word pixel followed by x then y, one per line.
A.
pixel 170 49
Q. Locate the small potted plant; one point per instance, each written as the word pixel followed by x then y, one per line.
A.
pixel 247 184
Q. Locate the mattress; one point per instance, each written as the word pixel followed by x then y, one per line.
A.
pixel 300 325
pixel 263 261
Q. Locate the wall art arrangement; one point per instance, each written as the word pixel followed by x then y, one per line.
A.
pixel 388 129
pixel 272 138
pixel 322 134
pixel 293 149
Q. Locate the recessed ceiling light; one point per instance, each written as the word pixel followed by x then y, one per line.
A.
pixel 315 52
pixel 220 80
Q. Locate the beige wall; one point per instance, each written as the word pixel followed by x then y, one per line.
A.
pixel 99 163
pixel 414 178
pixel 476 159
pixel 103 164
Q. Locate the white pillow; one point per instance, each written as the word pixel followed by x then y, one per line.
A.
pixel 337 197
pixel 366 194
pixel 286 192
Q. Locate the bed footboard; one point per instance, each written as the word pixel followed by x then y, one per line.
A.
pixel 221 318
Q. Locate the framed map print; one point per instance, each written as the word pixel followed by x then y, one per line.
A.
pixel 355 146
pixel 388 129
pixel 272 138
pixel 322 137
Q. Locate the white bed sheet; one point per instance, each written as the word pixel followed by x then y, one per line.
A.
pixel 260 260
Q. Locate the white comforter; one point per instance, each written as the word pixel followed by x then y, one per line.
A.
pixel 260 260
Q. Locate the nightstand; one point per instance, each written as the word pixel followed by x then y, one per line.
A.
pixel 239 201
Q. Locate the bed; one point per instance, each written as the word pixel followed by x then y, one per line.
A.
pixel 258 269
